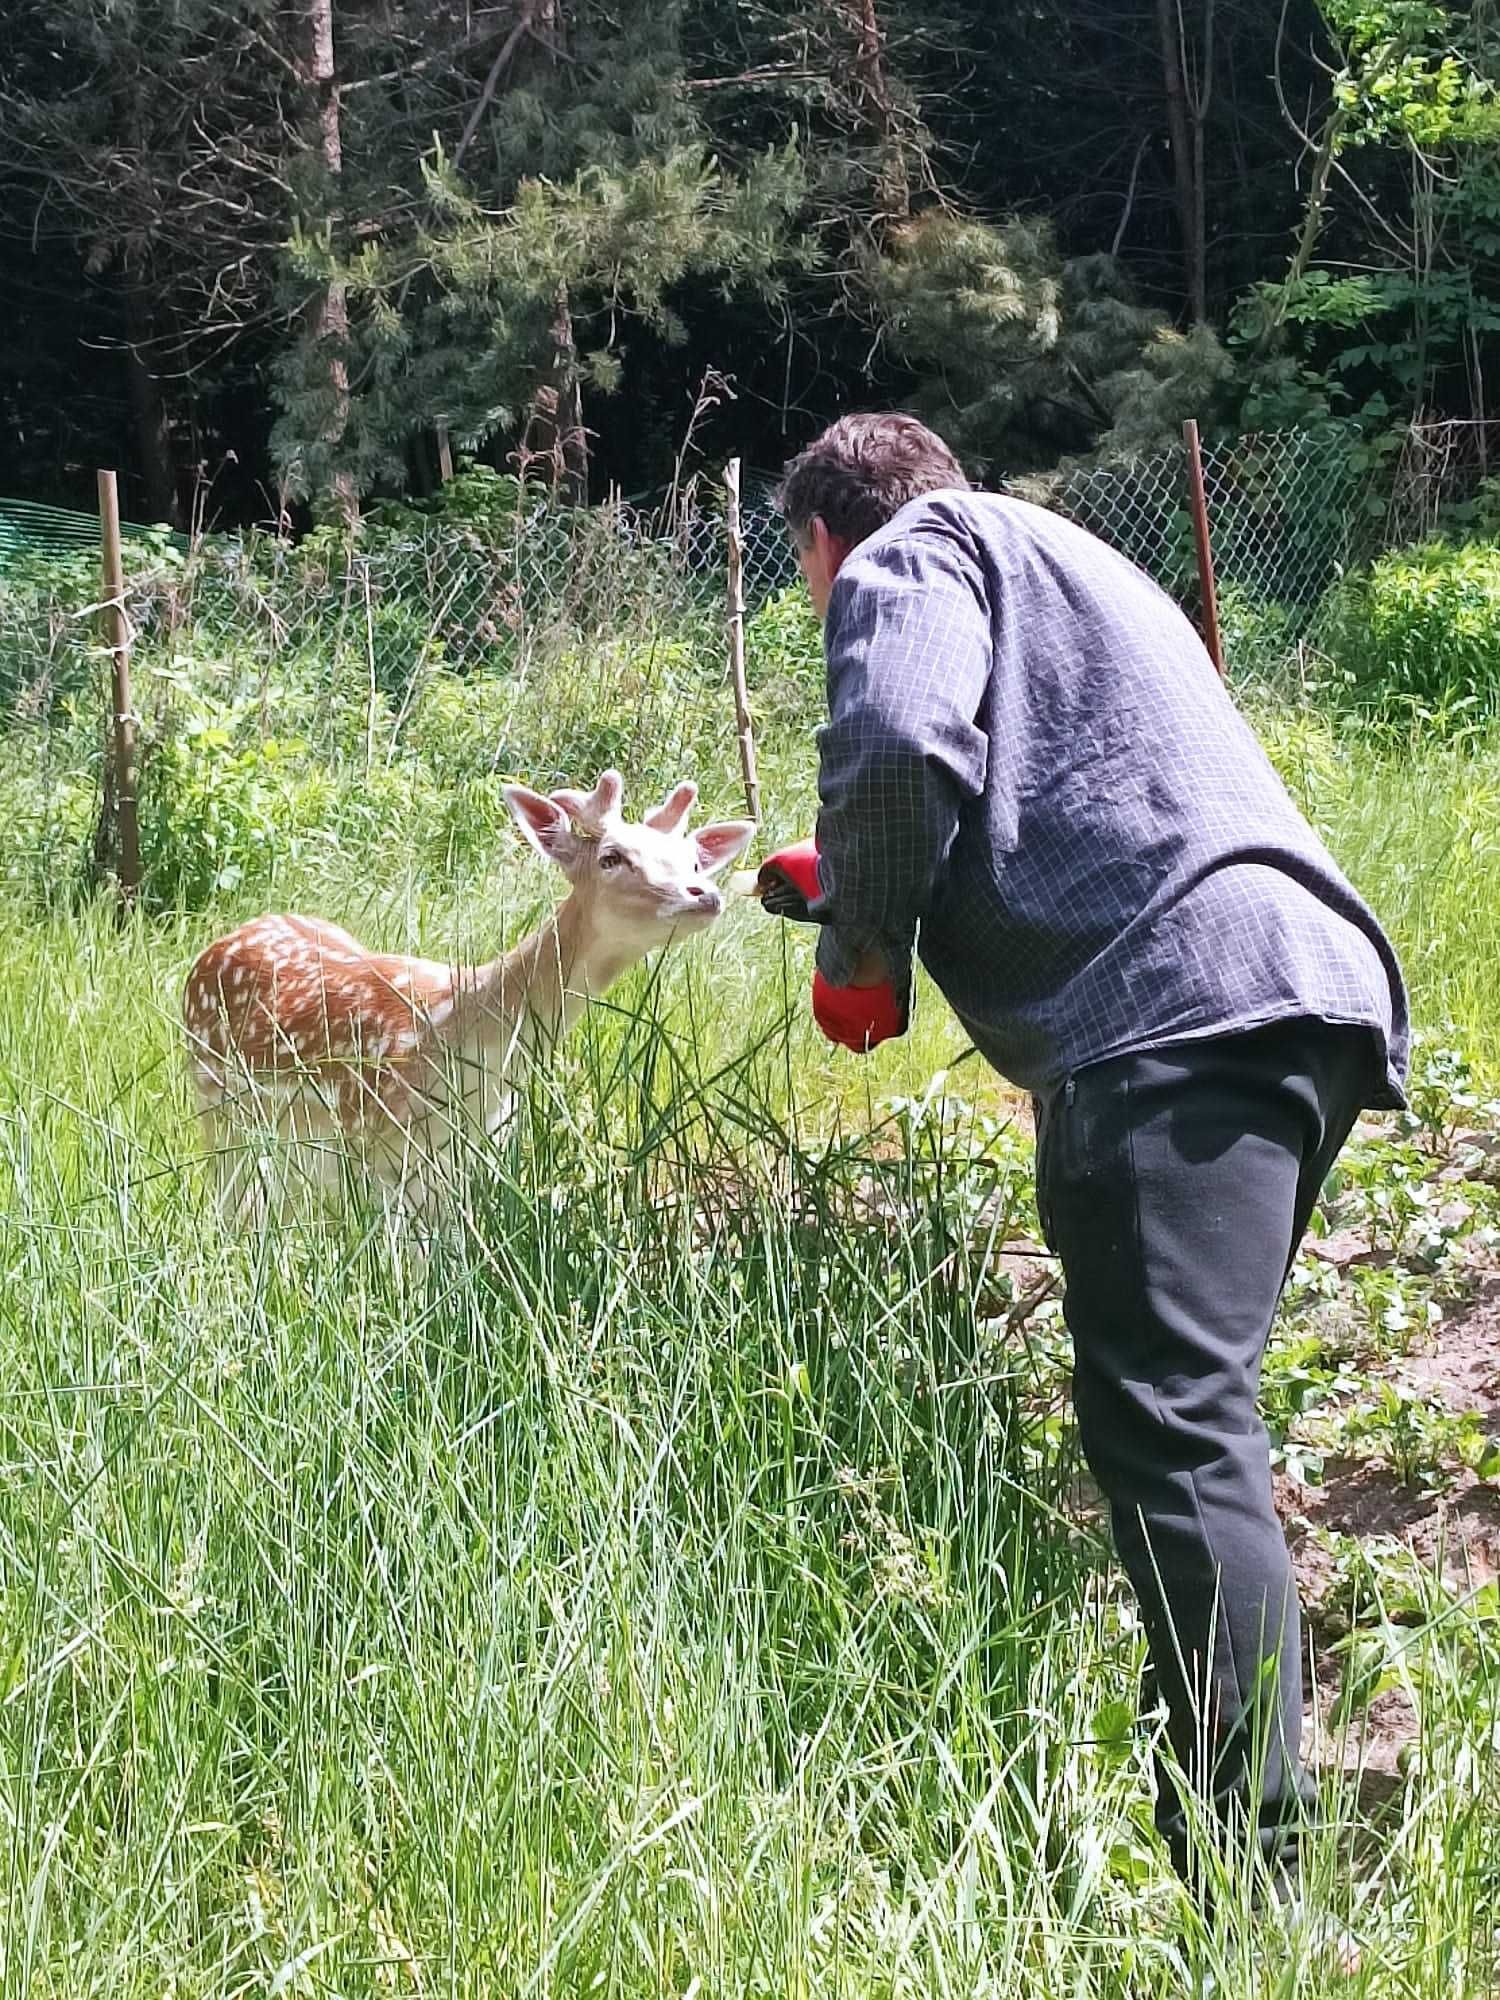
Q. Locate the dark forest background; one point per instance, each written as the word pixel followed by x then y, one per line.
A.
pixel 274 258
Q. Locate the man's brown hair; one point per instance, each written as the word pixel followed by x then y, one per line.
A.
pixel 861 471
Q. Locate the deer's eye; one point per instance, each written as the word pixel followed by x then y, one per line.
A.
pixel 613 859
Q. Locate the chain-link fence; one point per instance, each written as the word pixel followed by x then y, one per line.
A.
pixel 456 595
pixel 1288 512
pixel 402 673
pixel 540 590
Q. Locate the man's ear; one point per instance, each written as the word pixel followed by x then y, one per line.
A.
pixel 833 550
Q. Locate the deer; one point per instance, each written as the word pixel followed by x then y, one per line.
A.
pixel 398 1063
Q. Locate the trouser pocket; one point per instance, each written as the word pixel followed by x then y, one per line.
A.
pixel 1047 1115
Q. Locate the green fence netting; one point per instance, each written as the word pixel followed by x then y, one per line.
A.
pixel 28 528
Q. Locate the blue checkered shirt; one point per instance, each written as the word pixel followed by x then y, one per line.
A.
pixel 1032 774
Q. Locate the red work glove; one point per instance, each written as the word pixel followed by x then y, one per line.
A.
pixel 857 1017
pixel 788 882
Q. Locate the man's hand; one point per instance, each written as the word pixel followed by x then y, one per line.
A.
pixel 857 1017
pixel 872 969
pixel 788 882
pixel 864 1012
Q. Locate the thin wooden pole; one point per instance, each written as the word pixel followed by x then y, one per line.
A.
pixel 737 641
pixel 117 638
pixel 1199 503
pixel 445 455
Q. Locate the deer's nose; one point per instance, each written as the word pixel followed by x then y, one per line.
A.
pixel 706 895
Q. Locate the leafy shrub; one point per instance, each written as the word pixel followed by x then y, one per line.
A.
pixel 1260 635
pixel 48 651
pixel 213 813
pixel 477 496
pixel 1304 745
pixel 458 729
pixel 1476 519
pixel 49 804
pixel 1416 639
pixel 784 655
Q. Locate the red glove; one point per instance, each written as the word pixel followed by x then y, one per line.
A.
pixel 857 1017
pixel 788 882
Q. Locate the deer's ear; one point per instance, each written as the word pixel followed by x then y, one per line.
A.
pixel 673 810
pixel 545 824
pixel 722 843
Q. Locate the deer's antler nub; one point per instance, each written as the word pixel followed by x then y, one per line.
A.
pixel 591 810
pixel 674 808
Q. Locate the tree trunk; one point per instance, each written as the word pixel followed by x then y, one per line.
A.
pixel 328 310
pixel 153 434
pixel 555 435
pixel 572 442
pixel 1200 103
pixel 148 411
pixel 554 432
pixel 878 108
pixel 1186 136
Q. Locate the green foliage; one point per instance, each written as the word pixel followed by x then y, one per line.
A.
pixel 712 1453
pixel 1415 641
pixel 784 656
pixel 723 1449
pixel 477 496
pixel 1414 87
pixel 49 805
pixel 1026 355
pixel 1423 1442
pixel 216 816
pixel 1408 74
pixel 463 316
pixel 1259 637
pixel 1177 376
pixel 227 813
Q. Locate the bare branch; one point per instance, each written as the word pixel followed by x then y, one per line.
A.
pixel 524 26
pixel 1135 168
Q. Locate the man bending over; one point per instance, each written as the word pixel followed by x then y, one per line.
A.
pixel 1032 776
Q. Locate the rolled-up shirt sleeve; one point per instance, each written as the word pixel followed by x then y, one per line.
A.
pixel 909 652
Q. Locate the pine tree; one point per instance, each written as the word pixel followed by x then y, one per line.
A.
pixel 140 151
pixel 573 205
pixel 1024 356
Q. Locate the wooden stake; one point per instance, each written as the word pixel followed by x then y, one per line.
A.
pixel 1199 503
pixel 737 641
pixel 122 741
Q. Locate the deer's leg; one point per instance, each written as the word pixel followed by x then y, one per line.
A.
pixel 230 1167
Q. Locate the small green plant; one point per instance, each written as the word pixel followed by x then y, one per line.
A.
pixel 719 1479
pixel 968 1173
pixel 1415 641
pixel 784 655
pixel 1377 1576
pixel 1300 1376
pixel 1441 1092
pixel 1259 635
pixel 1381 1186
pixel 213 813
pixel 1424 1443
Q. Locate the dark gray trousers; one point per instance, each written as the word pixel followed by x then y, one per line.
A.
pixel 1175 1187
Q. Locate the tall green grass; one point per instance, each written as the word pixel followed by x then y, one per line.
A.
pixel 683 1582
pixel 1416 825
pixel 677 1585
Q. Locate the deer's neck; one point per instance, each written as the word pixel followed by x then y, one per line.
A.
pixel 534 993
